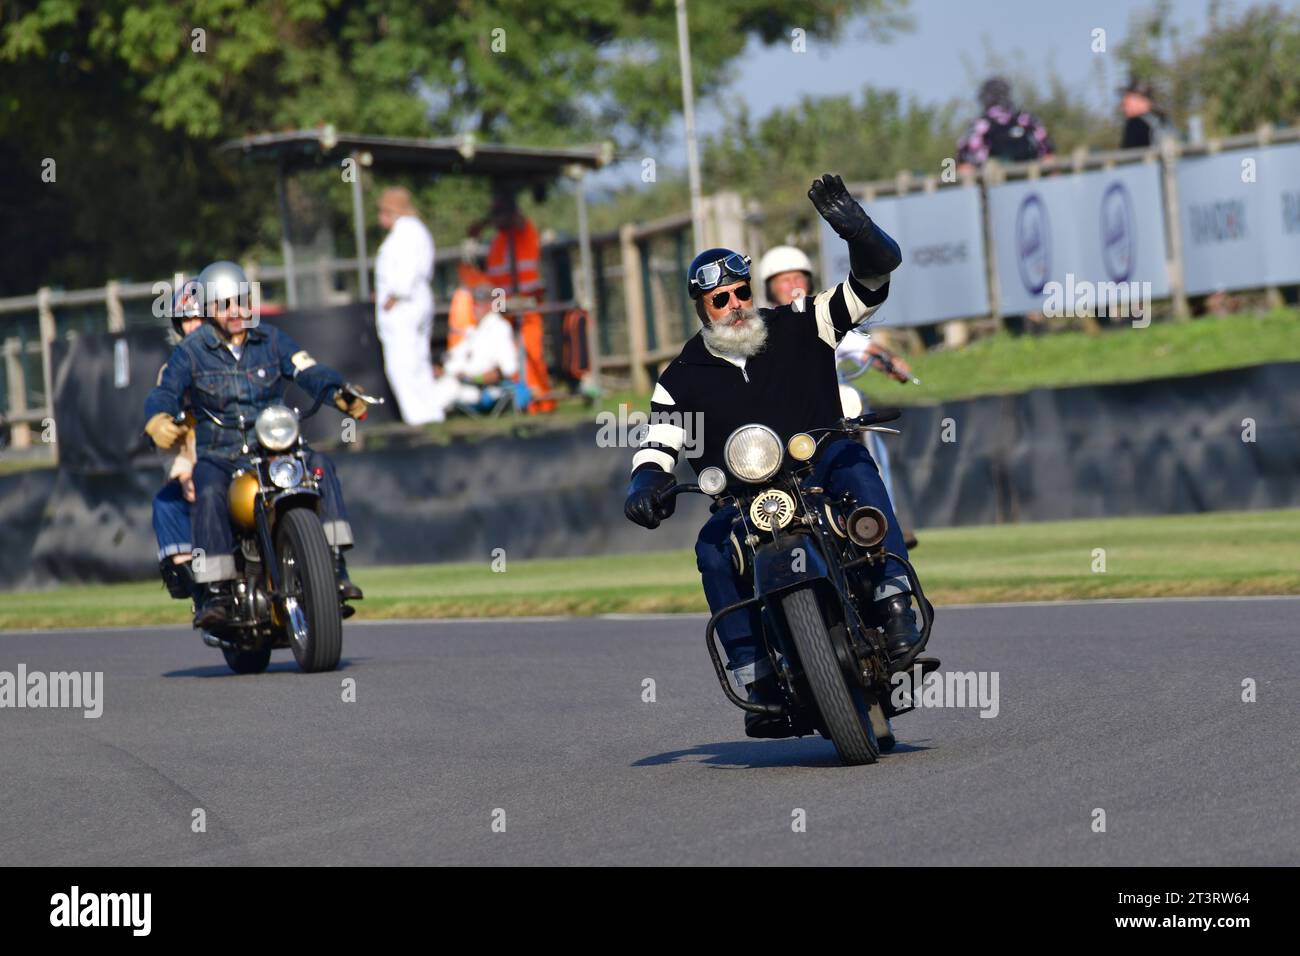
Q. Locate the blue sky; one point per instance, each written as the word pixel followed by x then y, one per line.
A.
pixel 945 54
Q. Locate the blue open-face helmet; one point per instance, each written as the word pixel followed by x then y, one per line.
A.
pixel 715 267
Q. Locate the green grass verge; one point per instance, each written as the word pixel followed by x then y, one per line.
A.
pixel 1254 552
pixel 1003 364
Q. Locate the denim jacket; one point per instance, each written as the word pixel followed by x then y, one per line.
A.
pixel 202 366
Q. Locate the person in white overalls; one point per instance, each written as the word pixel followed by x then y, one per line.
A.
pixel 404 307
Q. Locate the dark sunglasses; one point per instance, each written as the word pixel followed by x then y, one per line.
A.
pixel 743 293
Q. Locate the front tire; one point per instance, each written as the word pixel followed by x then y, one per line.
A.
pixel 307 574
pixel 844 712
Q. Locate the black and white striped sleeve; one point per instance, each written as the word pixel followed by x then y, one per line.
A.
pixel 664 437
pixel 847 306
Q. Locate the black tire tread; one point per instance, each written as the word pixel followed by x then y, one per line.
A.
pixel 853 741
pixel 320 589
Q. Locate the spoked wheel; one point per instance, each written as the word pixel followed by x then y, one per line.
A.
pixel 311 606
pixel 845 710
pixel 248 662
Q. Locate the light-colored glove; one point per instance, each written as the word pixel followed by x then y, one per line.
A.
pixel 164 431
pixel 350 405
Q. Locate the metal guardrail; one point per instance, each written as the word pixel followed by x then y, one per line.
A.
pixel 627 268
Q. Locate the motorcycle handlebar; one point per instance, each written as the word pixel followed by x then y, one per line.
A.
pixel 672 491
pixel 314 408
pixel 872 418
pixel 846 424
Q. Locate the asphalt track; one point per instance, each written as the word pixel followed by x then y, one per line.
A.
pixel 1131 707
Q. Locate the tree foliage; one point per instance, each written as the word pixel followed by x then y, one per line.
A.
pixel 1242 72
pixel 130 98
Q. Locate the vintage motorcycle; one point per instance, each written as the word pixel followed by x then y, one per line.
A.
pixel 285 591
pixel 806 552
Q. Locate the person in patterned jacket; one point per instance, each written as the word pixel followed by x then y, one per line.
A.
pixel 1002 132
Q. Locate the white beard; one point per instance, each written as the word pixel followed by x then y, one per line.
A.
pixel 744 340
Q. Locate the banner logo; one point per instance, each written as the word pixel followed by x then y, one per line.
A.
pixel 1033 243
pixel 1118 232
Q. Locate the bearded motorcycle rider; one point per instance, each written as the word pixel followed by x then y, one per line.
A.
pixel 232 367
pixel 774 367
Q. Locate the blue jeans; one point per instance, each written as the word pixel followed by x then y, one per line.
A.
pixel 844 466
pixel 881 454
pixel 171 521
pixel 212 532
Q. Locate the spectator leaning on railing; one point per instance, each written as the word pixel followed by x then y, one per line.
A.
pixel 1002 132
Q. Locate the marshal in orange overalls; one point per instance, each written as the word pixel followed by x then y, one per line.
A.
pixel 527 261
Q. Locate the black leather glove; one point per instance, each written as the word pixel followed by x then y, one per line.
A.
pixel 642 506
pixel 871 250
pixel 834 204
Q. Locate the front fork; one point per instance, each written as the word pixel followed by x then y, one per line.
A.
pixel 268 548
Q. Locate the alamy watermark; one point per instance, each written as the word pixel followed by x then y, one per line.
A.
pixel 946 689
pixel 1077 298
pixel 188 299
pixel 633 428
pixel 75 908
pixel 83 690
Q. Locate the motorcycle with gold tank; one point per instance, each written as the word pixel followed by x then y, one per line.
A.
pixel 285 592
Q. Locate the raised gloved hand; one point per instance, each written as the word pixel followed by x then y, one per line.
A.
pixel 643 506
pixel 164 431
pixel 871 251
pixel 346 401
pixel 831 198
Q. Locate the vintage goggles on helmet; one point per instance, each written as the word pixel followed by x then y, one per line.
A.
pixel 709 276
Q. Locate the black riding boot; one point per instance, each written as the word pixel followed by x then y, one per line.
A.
pixel 347 590
pixel 901 634
pixel 215 604
pixel 179 578
pixel 765 691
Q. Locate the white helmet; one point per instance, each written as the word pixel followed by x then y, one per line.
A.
pixel 780 259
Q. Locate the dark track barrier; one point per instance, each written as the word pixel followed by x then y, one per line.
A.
pixel 101 381
pixel 1157 447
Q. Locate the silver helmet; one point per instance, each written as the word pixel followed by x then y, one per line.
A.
pixel 220 281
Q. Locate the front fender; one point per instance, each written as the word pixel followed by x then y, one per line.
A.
pixel 795 559
pixel 303 496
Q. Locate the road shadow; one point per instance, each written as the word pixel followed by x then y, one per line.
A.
pixel 809 751
pixel 276 667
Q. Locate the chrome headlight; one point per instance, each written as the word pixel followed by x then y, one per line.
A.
pixel 277 427
pixel 753 453
pixel 285 472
